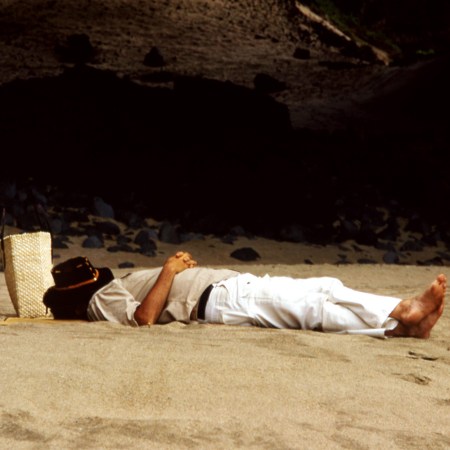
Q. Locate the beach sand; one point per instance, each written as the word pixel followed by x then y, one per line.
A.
pixel 86 385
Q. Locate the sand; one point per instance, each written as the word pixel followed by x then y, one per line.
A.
pixel 105 386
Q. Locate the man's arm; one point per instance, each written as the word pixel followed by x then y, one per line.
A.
pixel 151 307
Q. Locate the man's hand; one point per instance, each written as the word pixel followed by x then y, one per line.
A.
pixel 179 262
pixel 150 309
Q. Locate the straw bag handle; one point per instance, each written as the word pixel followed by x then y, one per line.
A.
pixel 2 234
pixel 40 212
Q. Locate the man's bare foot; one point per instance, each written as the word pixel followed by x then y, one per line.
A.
pixel 413 310
pixel 418 315
pixel 422 330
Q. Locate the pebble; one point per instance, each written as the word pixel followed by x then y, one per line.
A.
pixel 245 254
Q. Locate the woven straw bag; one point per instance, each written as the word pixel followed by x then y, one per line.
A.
pixel 27 263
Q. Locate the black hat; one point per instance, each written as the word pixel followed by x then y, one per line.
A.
pixel 76 281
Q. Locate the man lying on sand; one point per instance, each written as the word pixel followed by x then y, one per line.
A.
pixel 181 291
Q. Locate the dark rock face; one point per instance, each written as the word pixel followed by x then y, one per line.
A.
pixel 183 148
pixel 212 154
pixel 308 154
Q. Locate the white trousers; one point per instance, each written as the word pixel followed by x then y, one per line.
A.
pixel 321 303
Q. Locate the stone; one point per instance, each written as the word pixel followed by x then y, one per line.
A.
pixel 245 254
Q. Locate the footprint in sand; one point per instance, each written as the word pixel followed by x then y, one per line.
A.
pixel 418 379
pixel 414 355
